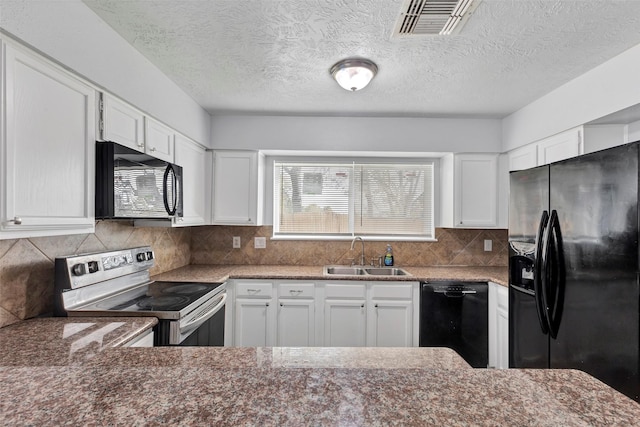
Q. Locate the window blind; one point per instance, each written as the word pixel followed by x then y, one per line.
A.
pixel 328 199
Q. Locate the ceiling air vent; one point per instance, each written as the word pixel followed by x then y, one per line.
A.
pixel 429 17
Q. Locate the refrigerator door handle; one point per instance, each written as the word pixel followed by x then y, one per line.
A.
pixel 556 275
pixel 539 278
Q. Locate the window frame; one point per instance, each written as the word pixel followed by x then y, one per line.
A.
pixel 349 160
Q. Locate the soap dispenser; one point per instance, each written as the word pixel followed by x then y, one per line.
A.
pixel 388 257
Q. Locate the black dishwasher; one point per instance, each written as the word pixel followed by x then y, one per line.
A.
pixel 455 315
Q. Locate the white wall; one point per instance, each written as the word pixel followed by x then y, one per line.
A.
pixel 72 34
pixel 608 88
pixel 355 134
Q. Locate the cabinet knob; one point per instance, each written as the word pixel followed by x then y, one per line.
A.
pixel 376 306
pixel 267 304
pixel 141 145
pixel 16 220
pixel 362 306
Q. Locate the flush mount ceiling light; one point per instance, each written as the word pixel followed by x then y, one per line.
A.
pixel 354 73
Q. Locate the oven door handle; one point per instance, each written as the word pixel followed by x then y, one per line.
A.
pixel 195 323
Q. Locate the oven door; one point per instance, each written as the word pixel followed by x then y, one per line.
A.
pixel 203 326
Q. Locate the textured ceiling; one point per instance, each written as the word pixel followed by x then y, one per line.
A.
pixel 273 56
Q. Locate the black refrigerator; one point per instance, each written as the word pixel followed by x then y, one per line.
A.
pixel 574 299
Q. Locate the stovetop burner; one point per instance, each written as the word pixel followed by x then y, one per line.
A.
pixel 167 302
pixel 185 289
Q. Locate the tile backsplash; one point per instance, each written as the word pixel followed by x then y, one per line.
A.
pixel 27 265
pixel 213 245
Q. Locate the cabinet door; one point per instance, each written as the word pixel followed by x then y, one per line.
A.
pixel 523 158
pixel 159 140
pixel 391 324
pixel 235 188
pixel 475 190
pixel 561 146
pixel 295 325
pixel 122 123
pixel 344 323
pixel 192 158
pixel 253 323
pixel 502 334
pixel 498 326
pixel 48 149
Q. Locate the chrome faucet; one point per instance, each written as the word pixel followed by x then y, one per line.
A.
pixel 361 241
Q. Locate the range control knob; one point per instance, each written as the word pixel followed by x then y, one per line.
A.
pixel 149 255
pixel 79 269
pixel 141 257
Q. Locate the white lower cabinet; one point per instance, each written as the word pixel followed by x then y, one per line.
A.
pixel 390 315
pixel 254 314
pixel 331 314
pixel 296 315
pixel 498 326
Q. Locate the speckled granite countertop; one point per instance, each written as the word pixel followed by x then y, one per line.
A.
pixel 64 341
pixel 218 273
pixel 294 386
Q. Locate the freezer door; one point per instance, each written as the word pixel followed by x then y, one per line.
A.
pixel 528 218
pixel 596 200
pixel 528 346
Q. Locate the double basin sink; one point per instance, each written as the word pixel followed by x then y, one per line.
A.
pixel 360 270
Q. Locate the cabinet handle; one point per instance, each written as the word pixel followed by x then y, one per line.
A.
pixel 16 220
pixel 253 291
pixel 141 145
pixel 295 291
pixel 152 149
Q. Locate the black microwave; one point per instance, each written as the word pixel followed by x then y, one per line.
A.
pixel 131 184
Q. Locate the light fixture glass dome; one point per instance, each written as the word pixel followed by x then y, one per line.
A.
pixel 354 73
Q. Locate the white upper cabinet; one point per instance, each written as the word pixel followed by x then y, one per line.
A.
pixel 159 139
pixel 469 184
pixel 48 146
pixel 121 123
pixel 567 144
pixel 237 187
pixel 561 146
pixel 193 160
pixel 128 126
pixel 523 158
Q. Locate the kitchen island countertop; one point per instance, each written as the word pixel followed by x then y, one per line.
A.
pixel 302 386
pixel 220 273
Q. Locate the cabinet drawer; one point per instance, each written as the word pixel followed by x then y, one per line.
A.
pixel 345 291
pixel 254 289
pixel 395 291
pixel 296 290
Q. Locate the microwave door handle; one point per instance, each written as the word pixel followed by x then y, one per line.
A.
pixel 167 171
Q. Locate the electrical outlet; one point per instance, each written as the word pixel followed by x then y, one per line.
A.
pixel 488 245
pixel 260 242
pixel 236 242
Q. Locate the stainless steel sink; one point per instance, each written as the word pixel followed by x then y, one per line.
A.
pixel 386 271
pixel 343 270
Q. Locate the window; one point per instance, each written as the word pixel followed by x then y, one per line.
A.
pixel 356 198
